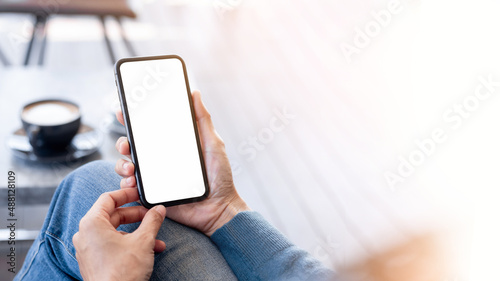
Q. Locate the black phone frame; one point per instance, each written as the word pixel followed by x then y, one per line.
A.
pixel 130 135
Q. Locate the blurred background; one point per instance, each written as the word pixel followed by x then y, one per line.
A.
pixel 355 127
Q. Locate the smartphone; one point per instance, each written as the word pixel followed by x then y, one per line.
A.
pixel 161 128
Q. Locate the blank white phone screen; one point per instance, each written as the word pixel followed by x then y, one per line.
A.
pixel 162 128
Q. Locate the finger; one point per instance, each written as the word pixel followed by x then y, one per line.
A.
pixel 123 147
pixel 109 201
pixel 160 246
pixel 152 222
pixel 208 135
pixel 119 117
pixel 128 182
pixel 127 215
pixel 124 168
pixel 201 112
pixel 76 238
pixel 118 142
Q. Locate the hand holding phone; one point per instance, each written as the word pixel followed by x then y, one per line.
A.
pixel 161 129
pixel 222 203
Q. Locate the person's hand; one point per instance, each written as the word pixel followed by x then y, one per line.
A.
pixel 103 253
pixel 223 202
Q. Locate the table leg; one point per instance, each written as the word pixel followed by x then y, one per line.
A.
pixel 127 43
pixel 108 42
pixel 39 19
pixel 4 59
pixel 43 31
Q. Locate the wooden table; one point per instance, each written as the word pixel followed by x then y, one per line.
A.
pixel 43 10
pixel 94 91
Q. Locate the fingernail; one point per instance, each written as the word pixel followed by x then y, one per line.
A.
pixel 125 165
pixel 129 180
pixel 161 210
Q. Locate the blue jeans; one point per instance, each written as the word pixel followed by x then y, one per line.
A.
pixel 190 255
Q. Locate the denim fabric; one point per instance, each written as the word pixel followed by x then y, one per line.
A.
pixel 190 255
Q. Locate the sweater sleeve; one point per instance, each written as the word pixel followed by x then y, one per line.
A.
pixel 255 250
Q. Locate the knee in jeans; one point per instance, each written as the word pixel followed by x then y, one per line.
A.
pixel 99 168
pixel 96 177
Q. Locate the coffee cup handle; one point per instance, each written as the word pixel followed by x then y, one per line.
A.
pixel 32 133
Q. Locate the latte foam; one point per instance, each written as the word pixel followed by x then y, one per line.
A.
pixel 50 113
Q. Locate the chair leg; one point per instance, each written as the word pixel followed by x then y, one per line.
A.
pixel 108 42
pixel 127 43
pixel 39 19
pixel 4 59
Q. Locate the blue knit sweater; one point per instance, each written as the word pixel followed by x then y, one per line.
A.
pixel 255 250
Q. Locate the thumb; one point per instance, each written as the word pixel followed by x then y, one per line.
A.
pixel 209 137
pixel 202 116
pixel 152 221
